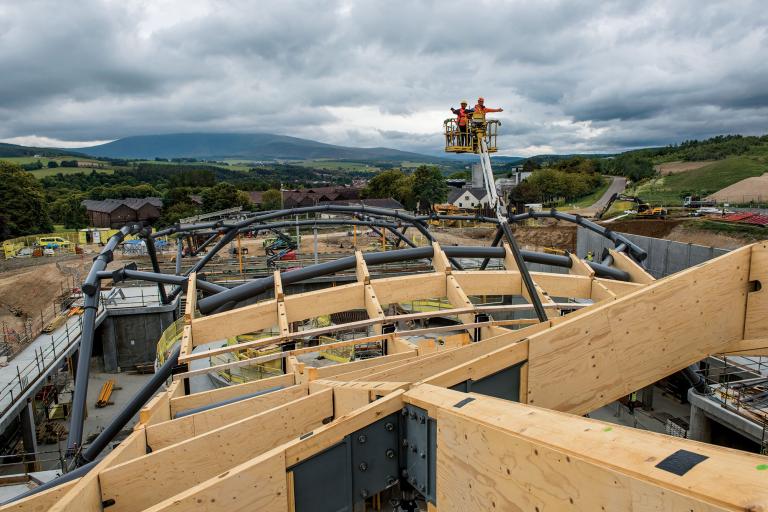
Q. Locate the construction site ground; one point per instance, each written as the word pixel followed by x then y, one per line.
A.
pixel 31 285
pixel 28 291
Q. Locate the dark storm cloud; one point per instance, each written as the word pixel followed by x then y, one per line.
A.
pixel 571 75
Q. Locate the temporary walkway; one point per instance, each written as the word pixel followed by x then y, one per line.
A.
pixel 28 370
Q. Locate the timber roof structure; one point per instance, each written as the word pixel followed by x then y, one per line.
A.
pixel 491 419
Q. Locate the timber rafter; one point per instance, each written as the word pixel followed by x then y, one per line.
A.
pixel 237 448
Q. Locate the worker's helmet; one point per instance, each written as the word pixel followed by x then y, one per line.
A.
pixel 464 102
pixel 480 99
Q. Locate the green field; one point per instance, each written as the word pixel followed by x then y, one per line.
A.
pixel 669 190
pixel 334 165
pixel 45 171
pixel 594 196
pixel 42 173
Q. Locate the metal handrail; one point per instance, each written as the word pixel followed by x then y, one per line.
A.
pixel 28 375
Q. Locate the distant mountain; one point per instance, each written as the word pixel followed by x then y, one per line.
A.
pixel 248 146
pixel 13 150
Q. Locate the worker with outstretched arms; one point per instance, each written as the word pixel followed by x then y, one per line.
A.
pixel 462 121
pixel 478 120
pixel 478 113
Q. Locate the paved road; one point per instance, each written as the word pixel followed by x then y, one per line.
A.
pixel 618 185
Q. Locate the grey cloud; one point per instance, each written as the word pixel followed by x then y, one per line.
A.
pixel 571 75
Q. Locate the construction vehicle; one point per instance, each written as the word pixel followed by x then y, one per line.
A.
pixel 53 242
pixel 643 210
pixel 694 202
pixel 280 247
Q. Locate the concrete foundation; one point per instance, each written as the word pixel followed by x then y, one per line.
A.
pixel 708 416
pixel 129 336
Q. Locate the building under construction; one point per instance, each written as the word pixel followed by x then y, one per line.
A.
pixel 464 382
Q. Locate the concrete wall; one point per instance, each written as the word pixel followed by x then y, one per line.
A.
pixel 130 338
pixel 665 257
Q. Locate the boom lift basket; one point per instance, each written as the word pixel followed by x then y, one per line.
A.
pixel 457 141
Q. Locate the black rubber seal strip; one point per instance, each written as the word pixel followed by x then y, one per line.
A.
pixel 681 462
pixel 464 402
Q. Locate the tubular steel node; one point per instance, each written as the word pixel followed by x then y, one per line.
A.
pixel 476 402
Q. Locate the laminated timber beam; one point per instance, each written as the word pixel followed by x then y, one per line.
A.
pixel 497 455
pixel 579 363
pixel 492 454
pixel 303 306
pixel 144 481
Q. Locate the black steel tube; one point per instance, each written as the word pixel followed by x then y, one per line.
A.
pixel 79 395
pixel 257 286
pixel 205 244
pixel 602 270
pixel 132 407
pixel 495 243
pixel 379 258
pixel 50 484
pixel 470 251
pixel 90 288
pixel 697 382
pixel 208 287
pixel 524 274
pixel 245 291
pixel 179 254
pixel 150 243
pixel 228 401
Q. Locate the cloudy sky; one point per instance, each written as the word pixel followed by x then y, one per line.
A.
pixel 572 76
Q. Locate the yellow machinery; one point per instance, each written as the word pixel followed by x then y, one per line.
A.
pixel 457 141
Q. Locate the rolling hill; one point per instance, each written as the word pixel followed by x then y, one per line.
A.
pixel 251 146
pixel 15 151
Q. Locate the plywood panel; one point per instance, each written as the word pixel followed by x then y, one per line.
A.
pixel 174 431
pixel 256 485
pixel 243 320
pixel 606 352
pixel 756 321
pixel 217 395
pixel 324 302
pixel 406 288
pixel 140 483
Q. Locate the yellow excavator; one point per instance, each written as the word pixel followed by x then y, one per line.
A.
pixel 643 210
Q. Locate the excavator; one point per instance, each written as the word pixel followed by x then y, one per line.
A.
pixel 643 210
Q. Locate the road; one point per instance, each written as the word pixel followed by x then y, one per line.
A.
pixel 617 186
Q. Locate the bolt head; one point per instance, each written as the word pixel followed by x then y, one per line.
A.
pixel 405 443
pixel 363 466
pixel 389 426
pixel 361 438
pixel 364 493
pixel 404 412
pixel 390 453
pixel 423 455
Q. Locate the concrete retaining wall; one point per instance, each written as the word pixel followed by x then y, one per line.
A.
pixel 665 257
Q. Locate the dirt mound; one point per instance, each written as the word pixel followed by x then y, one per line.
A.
pixel 26 292
pixel 689 235
pixel 657 228
pixel 744 191
pixel 678 167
